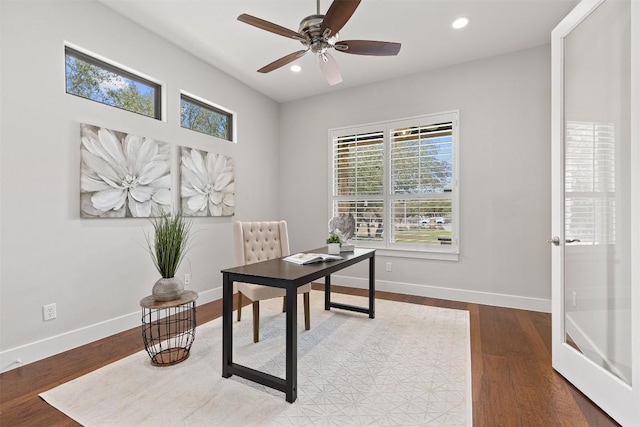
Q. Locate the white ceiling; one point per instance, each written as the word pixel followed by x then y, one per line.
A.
pixel 209 29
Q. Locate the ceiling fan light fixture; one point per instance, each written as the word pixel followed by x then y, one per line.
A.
pixel 318 33
pixel 460 22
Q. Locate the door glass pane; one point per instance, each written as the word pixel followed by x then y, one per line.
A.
pixel 597 282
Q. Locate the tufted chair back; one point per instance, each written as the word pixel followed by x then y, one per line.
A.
pixel 260 241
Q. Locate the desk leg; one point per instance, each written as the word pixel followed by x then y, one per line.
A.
pixel 292 345
pixel 372 286
pixel 227 324
pixel 327 291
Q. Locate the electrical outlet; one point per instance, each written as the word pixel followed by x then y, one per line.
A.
pixel 187 278
pixel 48 312
pixel 388 266
pixel 574 299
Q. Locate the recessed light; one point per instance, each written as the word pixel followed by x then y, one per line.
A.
pixel 296 68
pixel 460 22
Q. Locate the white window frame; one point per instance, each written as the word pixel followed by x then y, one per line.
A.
pixel 386 248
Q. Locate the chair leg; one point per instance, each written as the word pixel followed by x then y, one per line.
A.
pixel 307 316
pixel 256 320
pixel 284 304
pixel 239 305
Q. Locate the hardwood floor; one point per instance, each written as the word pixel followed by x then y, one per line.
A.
pixel 513 382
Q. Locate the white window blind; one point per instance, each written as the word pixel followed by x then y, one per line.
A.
pixel 590 209
pixel 358 164
pixel 397 179
pixel 358 168
pixel 421 177
pixel 421 159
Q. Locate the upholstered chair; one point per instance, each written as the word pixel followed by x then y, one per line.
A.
pixel 261 241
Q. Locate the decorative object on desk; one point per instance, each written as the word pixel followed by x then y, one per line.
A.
pixel 122 175
pixel 344 226
pixel 208 183
pixel 333 244
pixel 168 248
pixel 347 247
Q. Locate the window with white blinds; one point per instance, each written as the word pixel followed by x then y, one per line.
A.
pixel 590 210
pixel 399 181
pixel 358 184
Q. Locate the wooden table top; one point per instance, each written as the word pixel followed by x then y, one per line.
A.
pixel 185 298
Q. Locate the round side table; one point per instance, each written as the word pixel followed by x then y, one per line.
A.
pixel 169 328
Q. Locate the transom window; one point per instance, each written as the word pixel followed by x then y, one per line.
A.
pixel 203 117
pixel 108 84
pixel 399 181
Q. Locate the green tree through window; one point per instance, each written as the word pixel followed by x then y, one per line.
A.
pixel 93 79
pixel 204 118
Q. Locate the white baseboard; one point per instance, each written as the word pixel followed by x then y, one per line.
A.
pixel 463 295
pixel 38 350
pixel 28 353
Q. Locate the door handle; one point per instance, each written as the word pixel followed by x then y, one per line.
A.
pixel 556 240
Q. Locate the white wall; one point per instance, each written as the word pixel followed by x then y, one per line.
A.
pixel 96 271
pixel 504 105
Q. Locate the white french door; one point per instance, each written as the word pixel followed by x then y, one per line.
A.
pixel 596 204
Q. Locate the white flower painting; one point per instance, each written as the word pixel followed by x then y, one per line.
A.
pixel 208 183
pixel 123 175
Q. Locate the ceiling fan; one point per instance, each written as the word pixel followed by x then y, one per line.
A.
pixel 319 33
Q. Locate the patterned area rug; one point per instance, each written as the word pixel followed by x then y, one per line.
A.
pixel 410 366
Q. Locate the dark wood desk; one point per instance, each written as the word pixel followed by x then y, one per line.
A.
pixel 289 276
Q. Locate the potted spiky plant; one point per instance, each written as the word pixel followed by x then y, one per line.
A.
pixel 172 234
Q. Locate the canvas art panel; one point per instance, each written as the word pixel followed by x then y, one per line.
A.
pixel 123 175
pixel 207 183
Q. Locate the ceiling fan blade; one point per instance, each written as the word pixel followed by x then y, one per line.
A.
pixel 270 26
pixel 368 47
pixel 330 69
pixel 338 14
pixel 282 61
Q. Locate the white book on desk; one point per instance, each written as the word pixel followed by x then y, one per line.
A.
pixel 309 258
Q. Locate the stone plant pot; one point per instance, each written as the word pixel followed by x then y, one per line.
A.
pixel 333 248
pixel 167 289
